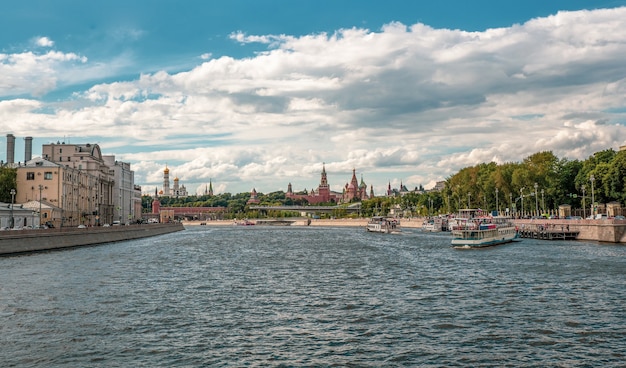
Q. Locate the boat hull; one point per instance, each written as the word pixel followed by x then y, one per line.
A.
pixel 383 225
pixel 465 239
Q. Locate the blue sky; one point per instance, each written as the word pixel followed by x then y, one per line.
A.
pixel 261 93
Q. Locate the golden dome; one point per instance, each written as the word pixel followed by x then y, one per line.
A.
pixel 166 171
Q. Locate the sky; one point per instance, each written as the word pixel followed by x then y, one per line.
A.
pixel 260 94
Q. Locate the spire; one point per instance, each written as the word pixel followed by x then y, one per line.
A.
pixel 210 187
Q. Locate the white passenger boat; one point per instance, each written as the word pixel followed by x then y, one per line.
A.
pixel 435 224
pixel 482 231
pixel 382 224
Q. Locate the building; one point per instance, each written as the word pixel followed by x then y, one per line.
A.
pixel 177 191
pixel 167 214
pixel 88 160
pixel 253 197
pixel 74 196
pixel 17 216
pixel 352 191
pixel 125 198
pixel 355 191
pixel 323 193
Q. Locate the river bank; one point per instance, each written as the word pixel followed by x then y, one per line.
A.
pixel 360 222
pixel 24 241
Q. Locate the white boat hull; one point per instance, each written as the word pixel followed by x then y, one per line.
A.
pixel 475 238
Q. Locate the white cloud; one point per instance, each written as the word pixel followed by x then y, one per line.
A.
pixel 405 103
pixel 44 42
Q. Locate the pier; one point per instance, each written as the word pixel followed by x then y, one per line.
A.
pixel 548 234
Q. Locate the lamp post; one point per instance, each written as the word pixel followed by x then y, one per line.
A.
pixel 12 220
pixel 510 202
pixel 593 210
pixel 40 189
pixel 497 209
pixel 521 195
pixel 543 204
pixel 469 195
pixel 536 201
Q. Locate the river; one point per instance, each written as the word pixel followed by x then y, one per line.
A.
pixel 302 296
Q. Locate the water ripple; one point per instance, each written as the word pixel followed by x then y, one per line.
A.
pixel 313 297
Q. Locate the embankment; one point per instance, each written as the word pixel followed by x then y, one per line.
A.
pixel 22 241
pixel 359 222
pixel 607 231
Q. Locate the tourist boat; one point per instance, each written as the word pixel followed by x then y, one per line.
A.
pixel 435 224
pixel 472 231
pixel 244 223
pixel 382 224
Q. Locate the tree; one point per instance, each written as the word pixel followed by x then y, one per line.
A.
pixel 8 181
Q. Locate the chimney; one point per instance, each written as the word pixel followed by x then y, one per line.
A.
pixel 10 149
pixel 28 149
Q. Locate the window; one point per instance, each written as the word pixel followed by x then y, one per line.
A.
pixel 30 175
pixel 47 175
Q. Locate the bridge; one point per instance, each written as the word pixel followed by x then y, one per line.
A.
pixel 353 208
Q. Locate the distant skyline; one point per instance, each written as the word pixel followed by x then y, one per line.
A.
pixel 258 94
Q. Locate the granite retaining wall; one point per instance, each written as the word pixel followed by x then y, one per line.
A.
pixel 21 241
pixel 609 231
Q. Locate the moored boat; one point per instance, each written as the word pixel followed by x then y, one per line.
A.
pixel 382 224
pixel 482 231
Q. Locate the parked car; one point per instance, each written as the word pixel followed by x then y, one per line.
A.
pixel 82 226
pixel 619 217
pixel 106 225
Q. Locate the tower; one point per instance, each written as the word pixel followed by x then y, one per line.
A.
pixel 323 191
pixel 10 148
pixel 28 148
pixel 166 181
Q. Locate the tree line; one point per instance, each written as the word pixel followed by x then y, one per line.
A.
pixel 541 181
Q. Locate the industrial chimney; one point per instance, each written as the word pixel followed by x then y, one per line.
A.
pixel 28 149
pixel 10 149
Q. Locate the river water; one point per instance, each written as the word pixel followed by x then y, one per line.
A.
pixel 298 296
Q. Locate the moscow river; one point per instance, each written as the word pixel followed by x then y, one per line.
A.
pixel 302 296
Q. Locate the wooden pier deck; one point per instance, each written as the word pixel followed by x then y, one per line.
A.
pixel 548 234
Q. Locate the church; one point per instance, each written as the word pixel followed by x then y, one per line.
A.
pixel 177 191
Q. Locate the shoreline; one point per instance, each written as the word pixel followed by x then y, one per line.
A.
pixel 360 222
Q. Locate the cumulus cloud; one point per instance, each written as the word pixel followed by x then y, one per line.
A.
pixel 44 42
pixel 406 103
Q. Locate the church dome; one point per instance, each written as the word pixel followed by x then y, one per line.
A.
pixel 166 171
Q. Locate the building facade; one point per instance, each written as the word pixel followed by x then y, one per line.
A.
pixel 88 160
pixel 76 193
pixel 124 194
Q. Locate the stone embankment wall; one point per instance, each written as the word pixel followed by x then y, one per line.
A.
pixel 21 241
pixel 610 231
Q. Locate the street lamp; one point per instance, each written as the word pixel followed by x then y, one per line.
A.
pixel 12 222
pixel 521 195
pixel 536 201
pixel 510 202
pixel 40 189
pixel 497 209
pixel 543 204
pixel 468 200
pixel 593 210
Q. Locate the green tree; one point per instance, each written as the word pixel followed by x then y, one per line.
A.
pixel 8 181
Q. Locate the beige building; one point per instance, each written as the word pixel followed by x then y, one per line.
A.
pixel 96 191
pixel 78 194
